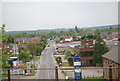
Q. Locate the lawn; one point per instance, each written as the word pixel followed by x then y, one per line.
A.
pixel 89 79
pixel 66 64
pixel 37 57
pixel 93 79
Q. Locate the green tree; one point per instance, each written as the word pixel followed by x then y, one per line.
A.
pixel 32 48
pixel 89 32
pixel 4 61
pixel 24 56
pixel 70 61
pixel 67 54
pixel 68 57
pixel 3 28
pixel 100 48
pixel 3 56
pixel 39 50
pixel 4 37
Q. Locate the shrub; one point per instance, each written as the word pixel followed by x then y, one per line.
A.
pixel 59 60
pixel 70 61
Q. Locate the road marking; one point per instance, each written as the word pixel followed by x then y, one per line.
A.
pixel 48 75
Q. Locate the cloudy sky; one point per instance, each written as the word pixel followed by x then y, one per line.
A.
pixel 44 15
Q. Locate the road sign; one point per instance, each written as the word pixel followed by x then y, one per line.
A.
pixel 77 64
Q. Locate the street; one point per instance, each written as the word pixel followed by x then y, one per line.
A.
pixel 47 61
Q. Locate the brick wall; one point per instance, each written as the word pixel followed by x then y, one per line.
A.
pixel 115 72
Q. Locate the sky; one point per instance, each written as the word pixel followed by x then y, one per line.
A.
pixel 27 15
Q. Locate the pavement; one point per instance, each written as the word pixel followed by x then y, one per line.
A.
pixel 86 73
pixel 47 60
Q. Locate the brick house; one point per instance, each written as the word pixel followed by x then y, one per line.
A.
pixel 25 40
pixel 116 35
pixel 10 48
pixel 109 36
pixel 111 59
pixel 104 35
pixel 85 51
pixel 62 47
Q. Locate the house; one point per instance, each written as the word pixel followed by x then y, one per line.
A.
pixel 104 35
pixel 80 36
pixel 110 36
pixel 68 38
pixel 25 40
pixel 62 47
pixel 10 48
pixel 88 43
pixel 116 35
pixel 112 59
pixel 85 51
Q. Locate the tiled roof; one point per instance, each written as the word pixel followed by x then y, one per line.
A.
pixel 21 38
pixel 115 32
pixel 66 37
pixel 113 54
pixel 27 39
pixel 75 43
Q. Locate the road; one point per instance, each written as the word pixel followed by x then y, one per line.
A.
pixel 47 61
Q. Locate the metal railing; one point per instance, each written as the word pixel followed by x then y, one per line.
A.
pixel 58 69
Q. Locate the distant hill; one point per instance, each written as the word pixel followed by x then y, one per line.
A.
pixel 21 32
pixel 50 30
pixel 103 27
pixel 59 29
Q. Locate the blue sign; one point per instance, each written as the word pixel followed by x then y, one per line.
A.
pixel 78 76
pixel 77 64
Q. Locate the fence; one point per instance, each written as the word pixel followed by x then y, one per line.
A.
pixel 59 73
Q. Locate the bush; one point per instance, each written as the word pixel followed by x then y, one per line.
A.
pixel 70 61
pixel 59 60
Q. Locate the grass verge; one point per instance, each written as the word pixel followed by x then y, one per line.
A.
pixel 66 64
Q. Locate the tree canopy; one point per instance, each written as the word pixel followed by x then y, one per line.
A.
pixel 100 48
pixel 24 56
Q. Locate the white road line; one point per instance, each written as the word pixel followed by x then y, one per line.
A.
pixel 48 75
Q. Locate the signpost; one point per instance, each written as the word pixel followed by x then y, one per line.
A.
pixel 77 64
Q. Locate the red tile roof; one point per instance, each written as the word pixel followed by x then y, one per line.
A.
pixel 115 32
